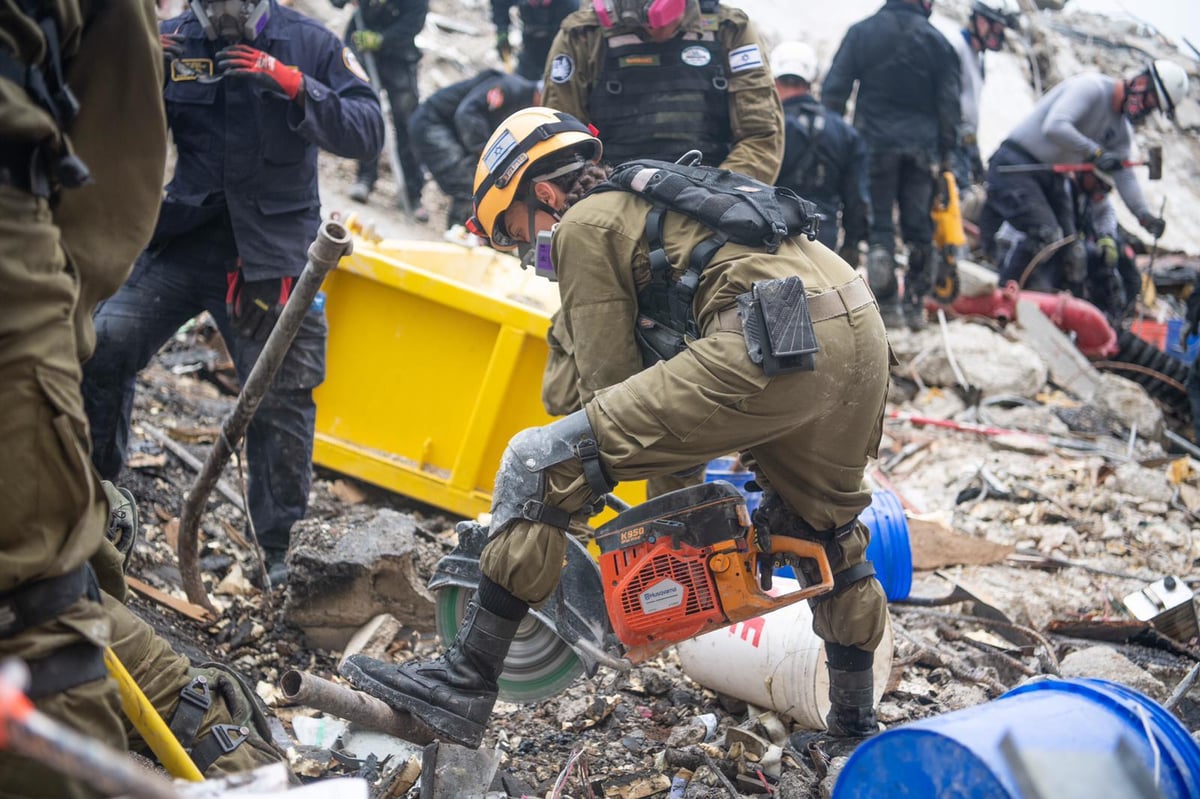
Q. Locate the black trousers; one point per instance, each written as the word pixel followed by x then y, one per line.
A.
pixel 398 77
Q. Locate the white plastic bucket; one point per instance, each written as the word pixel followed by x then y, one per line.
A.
pixel 774 661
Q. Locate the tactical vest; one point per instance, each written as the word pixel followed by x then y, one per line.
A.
pixel 48 165
pixel 813 174
pixel 735 207
pixel 658 101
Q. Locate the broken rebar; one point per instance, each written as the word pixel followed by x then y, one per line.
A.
pixel 346 703
pixel 332 243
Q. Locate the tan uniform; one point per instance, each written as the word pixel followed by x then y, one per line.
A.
pixel 55 265
pixel 757 126
pixel 755 113
pixel 810 434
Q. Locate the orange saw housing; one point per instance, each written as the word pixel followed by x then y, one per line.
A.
pixel 686 563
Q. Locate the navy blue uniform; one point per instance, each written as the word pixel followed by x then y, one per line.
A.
pixel 398 22
pixel 244 192
pixel 908 112
pixel 825 161
pixel 450 129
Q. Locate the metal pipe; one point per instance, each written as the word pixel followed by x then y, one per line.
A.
pixel 331 245
pixel 309 690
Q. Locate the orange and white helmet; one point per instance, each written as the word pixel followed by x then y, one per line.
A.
pixel 533 144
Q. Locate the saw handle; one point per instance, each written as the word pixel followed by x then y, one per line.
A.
pixel 810 550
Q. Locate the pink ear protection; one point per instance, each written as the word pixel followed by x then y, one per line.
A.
pixel 659 14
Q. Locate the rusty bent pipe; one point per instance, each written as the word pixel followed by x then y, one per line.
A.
pixel 302 688
pixel 1154 160
pixel 331 245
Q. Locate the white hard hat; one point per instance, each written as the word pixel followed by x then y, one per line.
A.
pixel 796 59
pixel 1006 12
pixel 1170 84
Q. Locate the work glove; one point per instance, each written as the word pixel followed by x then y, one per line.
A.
pixel 1152 224
pixel 244 60
pixel 365 41
pixel 1075 262
pixel 1106 161
pixel 1109 251
pixel 503 48
pixel 850 254
pixel 122 520
pixel 255 305
pixel 172 47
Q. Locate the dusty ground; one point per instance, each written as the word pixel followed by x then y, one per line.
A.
pixel 1102 511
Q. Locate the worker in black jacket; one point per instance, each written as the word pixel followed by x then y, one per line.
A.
pixel 824 159
pixel 908 112
pixel 539 25
pixel 448 130
pixel 383 35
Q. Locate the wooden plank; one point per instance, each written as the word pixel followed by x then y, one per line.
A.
pixel 181 606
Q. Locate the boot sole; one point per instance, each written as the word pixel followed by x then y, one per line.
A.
pixel 425 713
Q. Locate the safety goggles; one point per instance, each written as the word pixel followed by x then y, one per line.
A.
pixel 500 238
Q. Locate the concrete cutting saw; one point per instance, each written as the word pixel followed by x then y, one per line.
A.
pixel 669 569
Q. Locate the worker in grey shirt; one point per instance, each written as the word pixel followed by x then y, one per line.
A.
pixel 1088 118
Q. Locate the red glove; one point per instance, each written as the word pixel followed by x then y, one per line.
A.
pixel 242 59
pixel 254 306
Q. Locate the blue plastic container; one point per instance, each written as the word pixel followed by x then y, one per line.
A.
pixel 1174 328
pixel 959 754
pixel 889 550
pixel 727 469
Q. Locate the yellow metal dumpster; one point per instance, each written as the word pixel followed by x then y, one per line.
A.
pixel 435 360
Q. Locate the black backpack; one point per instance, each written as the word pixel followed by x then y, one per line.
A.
pixel 736 207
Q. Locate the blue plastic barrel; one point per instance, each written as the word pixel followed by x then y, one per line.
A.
pixel 729 470
pixel 1063 722
pixel 889 550
pixel 1188 356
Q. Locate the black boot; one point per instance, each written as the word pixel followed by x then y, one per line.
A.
pixel 453 694
pixel 851 692
pixel 916 284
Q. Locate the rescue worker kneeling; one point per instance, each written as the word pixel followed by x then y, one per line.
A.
pixel 809 432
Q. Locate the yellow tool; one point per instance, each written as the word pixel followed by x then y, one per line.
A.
pixel 948 237
pixel 145 719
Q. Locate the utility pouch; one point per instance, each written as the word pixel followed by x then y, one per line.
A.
pixel 657 341
pixel 777 326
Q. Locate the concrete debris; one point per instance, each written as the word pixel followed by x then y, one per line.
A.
pixel 346 573
pixel 1109 664
pixel 989 360
pixel 1131 404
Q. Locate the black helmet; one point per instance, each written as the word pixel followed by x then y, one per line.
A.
pixel 1006 12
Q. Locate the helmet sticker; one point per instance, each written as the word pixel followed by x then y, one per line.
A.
pixel 745 58
pixel 495 98
pixel 695 56
pixel 499 151
pixel 351 62
pixel 562 68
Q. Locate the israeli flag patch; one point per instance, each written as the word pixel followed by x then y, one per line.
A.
pixel 744 58
pixel 562 68
pixel 499 151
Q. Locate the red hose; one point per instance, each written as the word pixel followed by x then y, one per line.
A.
pixel 1093 335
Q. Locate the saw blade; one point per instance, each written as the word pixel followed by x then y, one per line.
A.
pixel 539 665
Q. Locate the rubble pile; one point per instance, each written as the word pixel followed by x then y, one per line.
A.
pixel 1031 516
